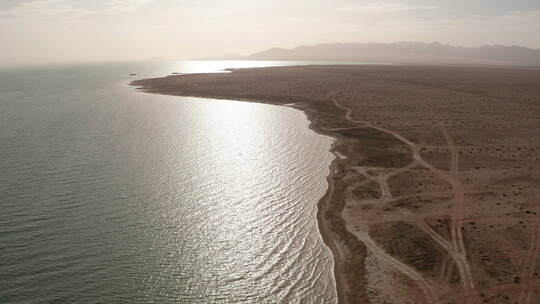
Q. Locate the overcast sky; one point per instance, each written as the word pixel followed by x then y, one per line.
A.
pixel 47 31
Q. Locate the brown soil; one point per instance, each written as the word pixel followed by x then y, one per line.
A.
pixel 438 197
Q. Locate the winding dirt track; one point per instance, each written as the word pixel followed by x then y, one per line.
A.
pixel 456 249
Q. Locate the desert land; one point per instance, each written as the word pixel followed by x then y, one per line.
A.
pixel 434 195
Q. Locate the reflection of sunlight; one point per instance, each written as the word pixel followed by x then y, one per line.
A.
pixel 216 66
pixel 238 126
pixel 238 135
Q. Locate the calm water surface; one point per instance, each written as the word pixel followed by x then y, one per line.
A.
pixel 109 195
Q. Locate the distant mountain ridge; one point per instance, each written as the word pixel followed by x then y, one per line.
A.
pixel 405 53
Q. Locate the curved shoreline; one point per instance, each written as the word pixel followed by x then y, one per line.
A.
pixel 347 251
pixel 325 202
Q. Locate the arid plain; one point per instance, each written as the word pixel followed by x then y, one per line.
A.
pixel 434 196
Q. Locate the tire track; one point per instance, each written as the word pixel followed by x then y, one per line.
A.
pixel 528 266
pixel 456 248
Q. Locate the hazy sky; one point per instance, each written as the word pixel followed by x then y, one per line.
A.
pixel 96 30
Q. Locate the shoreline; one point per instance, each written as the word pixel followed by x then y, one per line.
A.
pixel 325 231
pixel 325 203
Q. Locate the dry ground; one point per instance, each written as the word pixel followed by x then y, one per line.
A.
pixel 437 197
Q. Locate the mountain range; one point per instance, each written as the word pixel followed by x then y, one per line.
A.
pixel 404 53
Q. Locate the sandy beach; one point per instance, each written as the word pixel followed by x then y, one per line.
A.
pixel 434 195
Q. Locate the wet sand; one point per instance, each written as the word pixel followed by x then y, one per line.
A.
pixel 434 196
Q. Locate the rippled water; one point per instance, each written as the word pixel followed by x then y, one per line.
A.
pixel 108 195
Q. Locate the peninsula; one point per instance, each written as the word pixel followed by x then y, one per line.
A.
pixel 434 195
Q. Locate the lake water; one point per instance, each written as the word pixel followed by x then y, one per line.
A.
pixel 109 195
